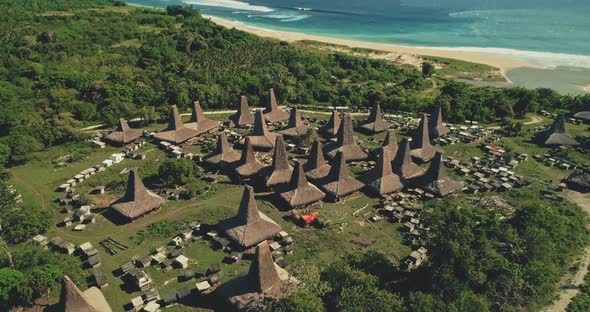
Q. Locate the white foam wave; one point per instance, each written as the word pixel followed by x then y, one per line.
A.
pixel 232 4
pixel 303 9
pixel 287 17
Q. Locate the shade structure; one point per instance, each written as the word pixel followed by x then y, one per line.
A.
pixel 248 165
pixel 300 192
pixel 224 155
pixel 261 137
pixel 422 150
pixel 316 166
pixel 556 135
pixel 331 128
pixel 403 164
pixel 280 171
pixel 74 300
pixel 243 116
pixel 200 122
pixel 345 143
pixel 339 183
pixel 123 134
pixel 437 181
pixel 176 132
pixel 375 123
pixel 272 112
pixel 295 128
pixel 137 200
pixel 437 128
pixel 381 180
pixel 249 227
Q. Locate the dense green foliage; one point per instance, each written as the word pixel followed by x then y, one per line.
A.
pixel 158 229
pixel 173 172
pixel 581 302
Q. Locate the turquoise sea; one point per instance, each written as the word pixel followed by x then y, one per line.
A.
pixel 552 34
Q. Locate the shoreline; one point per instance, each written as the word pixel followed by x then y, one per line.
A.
pixel 503 62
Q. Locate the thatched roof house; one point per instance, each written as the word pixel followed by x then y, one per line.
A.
pixel 346 143
pixel 176 132
pixel 137 200
pixel 272 112
pixel 123 134
pixel 280 171
pixel 437 129
pixel 224 155
pixel 300 192
pixel 249 227
pixel 73 300
pixel 375 123
pixel 403 164
pixel 381 180
pixel 316 166
pixel 390 143
pixel 199 121
pixel 556 135
pixel 295 127
pixel 248 165
pixel 422 150
pixel 243 116
pixel 339 183
pixel 261 138
pixel 437 181
pixel 331 128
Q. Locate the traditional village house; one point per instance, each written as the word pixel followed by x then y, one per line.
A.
pixel 272 112
pixel 224 155
pixel 248 165
pixel 295 128
pixel 249 227
pixel 280 171
pixel 556 135
pixel 176 132
pixel 331 128
pixel 199 121
pixel 243 116
pixel 73 300
pixel 137 200
pixel 422 150
pixel 338 183
pixel 381 180
pixel 316 166
pixel 261 137
pixel 403 164
pixel 375 123
pixel 390 143
pixel 437 129
pixel 437 181
pixel 301 193
pixel 346 143
pixel 123 134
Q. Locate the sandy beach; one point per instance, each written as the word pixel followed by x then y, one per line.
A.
pixel 403 54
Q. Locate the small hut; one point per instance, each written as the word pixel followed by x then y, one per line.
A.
pixel 280 171
pixel 243 116
pixel 437 129
pixel 137 200
pixel 381 180
pixel 422 150
pixel 331 128
pixel 339 183
pixel 556 135
pixel 375 123
pixel 316 166
pixel 295 128
pixel 224 155
pixel 199 121
pixel 176 133
pixel 261 137
pixel 403 164
pixel 437 181
pixel 300 192
pixel 123 134
pixel 248 165
pixel 74 300
pixel 346 143
pixel 272 112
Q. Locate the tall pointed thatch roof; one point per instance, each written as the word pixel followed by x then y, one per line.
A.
pixel 316 166
pixel 390 143
pixel 243 116
pixel 176 132
pixel 123 134
pixel 422 150
pixel 346 143
pixel 261 137
pixel 381 179
pixel 248 165
pixel 375 123
pixel 556 135
pixel 331 128
pixel 436 179
pixel 300 192
pixel 249 227
pixel 137 200
pixel 295 127
pixel 403 164
pixel 263 274
pixel 199 121
pixel 280 171
pixel 272 112
pixel 339 183
pixel 437 129
pixel 73 300
pixel 224 154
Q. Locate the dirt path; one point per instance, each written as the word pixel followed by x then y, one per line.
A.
pixel 534 120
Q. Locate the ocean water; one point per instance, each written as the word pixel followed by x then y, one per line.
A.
pixel 549 33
